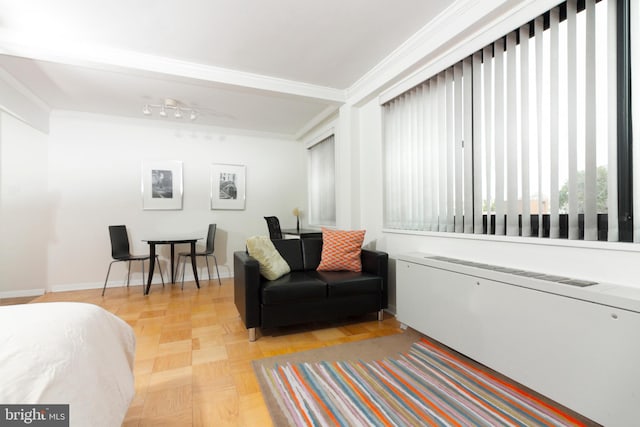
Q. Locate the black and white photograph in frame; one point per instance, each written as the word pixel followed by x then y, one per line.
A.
pixel 162 185
pixel 227 186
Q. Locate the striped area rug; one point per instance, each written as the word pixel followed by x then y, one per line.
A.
pixel 425 386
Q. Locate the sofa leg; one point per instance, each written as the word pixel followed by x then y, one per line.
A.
pixel 380 315
pixel 252 334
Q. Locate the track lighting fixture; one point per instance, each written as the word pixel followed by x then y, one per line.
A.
pixel 169 104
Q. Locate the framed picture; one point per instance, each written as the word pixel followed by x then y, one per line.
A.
pixel 227 186
pixel 162 185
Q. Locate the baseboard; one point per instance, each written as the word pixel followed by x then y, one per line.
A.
pixel 391 309
pixel 120 283
pixel 95 285
pixel 22 293
pixel 188 277
pixel 98 285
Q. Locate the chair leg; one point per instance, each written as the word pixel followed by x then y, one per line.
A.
pixel 144 282
pixel 217 271
pixel 206 261
pixel 128 273
pixel 160 270
pixel 184 263
pixel 177 267
pixel 177 270
pixel 107 278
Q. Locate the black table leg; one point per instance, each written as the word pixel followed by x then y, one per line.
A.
pixel 173 252
pixel 152 263
pixel 193 263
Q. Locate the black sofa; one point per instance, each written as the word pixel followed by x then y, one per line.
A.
pixel 304 294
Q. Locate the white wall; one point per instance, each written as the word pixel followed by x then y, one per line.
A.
pixel 94 179
pixel 24 209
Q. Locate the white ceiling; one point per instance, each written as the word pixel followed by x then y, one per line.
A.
pixel 269 66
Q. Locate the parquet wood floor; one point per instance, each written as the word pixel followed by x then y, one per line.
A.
pixel 193 357
pixel 17 300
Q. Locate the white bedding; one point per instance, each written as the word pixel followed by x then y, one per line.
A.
pixel 67 353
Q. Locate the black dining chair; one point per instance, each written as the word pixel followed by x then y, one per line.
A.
pixel 120 252
pixel 208 252
pixel 273 223
pixel 314 235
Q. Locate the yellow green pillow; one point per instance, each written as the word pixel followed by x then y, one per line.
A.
pixel 272 265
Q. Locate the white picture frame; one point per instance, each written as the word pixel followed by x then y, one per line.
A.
pixel 228 184
pixel 162 187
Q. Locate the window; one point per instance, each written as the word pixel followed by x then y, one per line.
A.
pixel 522 138
pixel 322 182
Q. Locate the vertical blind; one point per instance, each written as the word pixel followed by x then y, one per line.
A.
pixel 322 187
pixel 517 139
pixel 635 100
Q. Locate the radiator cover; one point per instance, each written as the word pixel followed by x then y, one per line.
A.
pixel 576 344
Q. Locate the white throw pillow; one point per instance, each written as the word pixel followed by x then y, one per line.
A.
pixel 272 265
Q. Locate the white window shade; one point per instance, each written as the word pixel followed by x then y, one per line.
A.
pixel 322 182
pixel 428 169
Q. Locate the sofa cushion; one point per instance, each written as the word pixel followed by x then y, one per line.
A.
pixel 293 287
pixel 291 251
pixel 272 265
pixel 341 250
pixel 346 283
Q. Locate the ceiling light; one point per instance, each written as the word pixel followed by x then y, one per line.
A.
pixel 171 104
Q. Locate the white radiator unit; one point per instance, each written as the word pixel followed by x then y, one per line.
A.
pixel 574 341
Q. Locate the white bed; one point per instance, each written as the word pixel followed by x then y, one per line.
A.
pixel 67 353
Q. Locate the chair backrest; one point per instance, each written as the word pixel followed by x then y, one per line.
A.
pixel 274 227
pixel 313 235
pixel 119 241
pixel 211 237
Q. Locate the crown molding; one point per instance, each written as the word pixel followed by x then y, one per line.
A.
pixel 161 124
pixel 462 28
pixel 23 104
pixel 430 39
pixel 107 58
pixel 318 120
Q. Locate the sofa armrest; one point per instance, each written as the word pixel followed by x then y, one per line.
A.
pixel 246 287
pixel 377 262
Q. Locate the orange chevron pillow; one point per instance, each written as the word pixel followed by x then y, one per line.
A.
pixel 341 250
